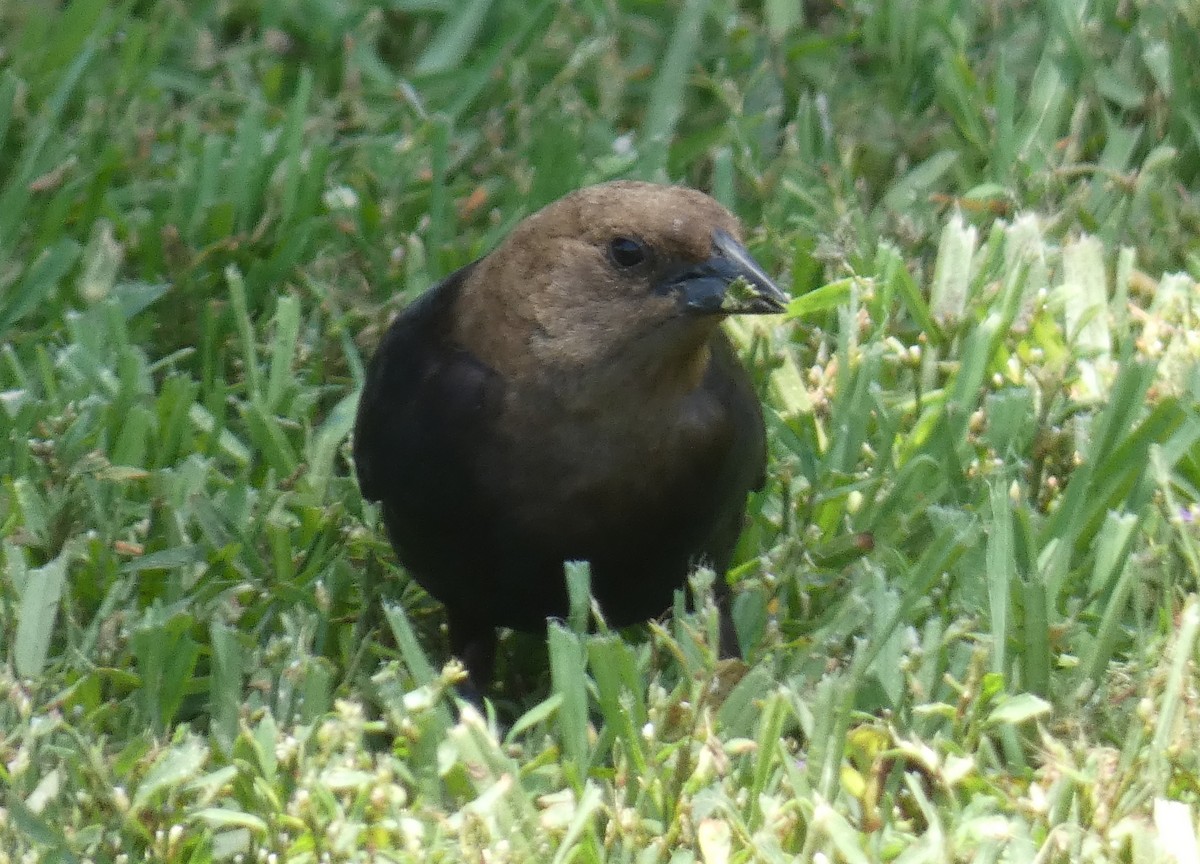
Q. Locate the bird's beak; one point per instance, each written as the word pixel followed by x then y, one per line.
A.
pixel 730 282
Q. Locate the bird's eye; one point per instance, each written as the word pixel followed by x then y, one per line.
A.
pixel 627 252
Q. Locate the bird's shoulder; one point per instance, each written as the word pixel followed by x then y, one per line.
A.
pixel 727 381
pixel 424 398
pixel 729 384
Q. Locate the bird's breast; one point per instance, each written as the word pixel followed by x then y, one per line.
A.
pixel 581 471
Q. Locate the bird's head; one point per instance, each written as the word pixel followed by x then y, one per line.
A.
pixel 623 280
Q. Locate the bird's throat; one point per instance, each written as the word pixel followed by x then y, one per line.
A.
pixel 640 382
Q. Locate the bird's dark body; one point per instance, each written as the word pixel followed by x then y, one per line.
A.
pixel 484 521
pixel 571 396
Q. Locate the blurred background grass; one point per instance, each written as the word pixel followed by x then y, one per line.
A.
pixel 967 593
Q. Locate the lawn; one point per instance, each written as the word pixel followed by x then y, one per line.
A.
pixel 968 593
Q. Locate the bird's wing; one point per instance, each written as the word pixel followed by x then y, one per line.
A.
pixel 422 398
pixel 732 386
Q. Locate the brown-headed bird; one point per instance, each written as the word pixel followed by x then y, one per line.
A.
pixel 571 396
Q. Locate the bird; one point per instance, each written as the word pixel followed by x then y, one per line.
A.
pixel 571 395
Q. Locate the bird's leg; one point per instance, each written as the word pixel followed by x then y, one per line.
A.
pixel 728 646
pixel 473 642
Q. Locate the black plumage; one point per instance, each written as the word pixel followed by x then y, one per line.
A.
pixel 570 396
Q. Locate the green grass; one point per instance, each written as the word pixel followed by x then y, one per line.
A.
pixel 968 593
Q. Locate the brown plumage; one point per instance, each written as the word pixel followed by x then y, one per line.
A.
pixel 570 396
